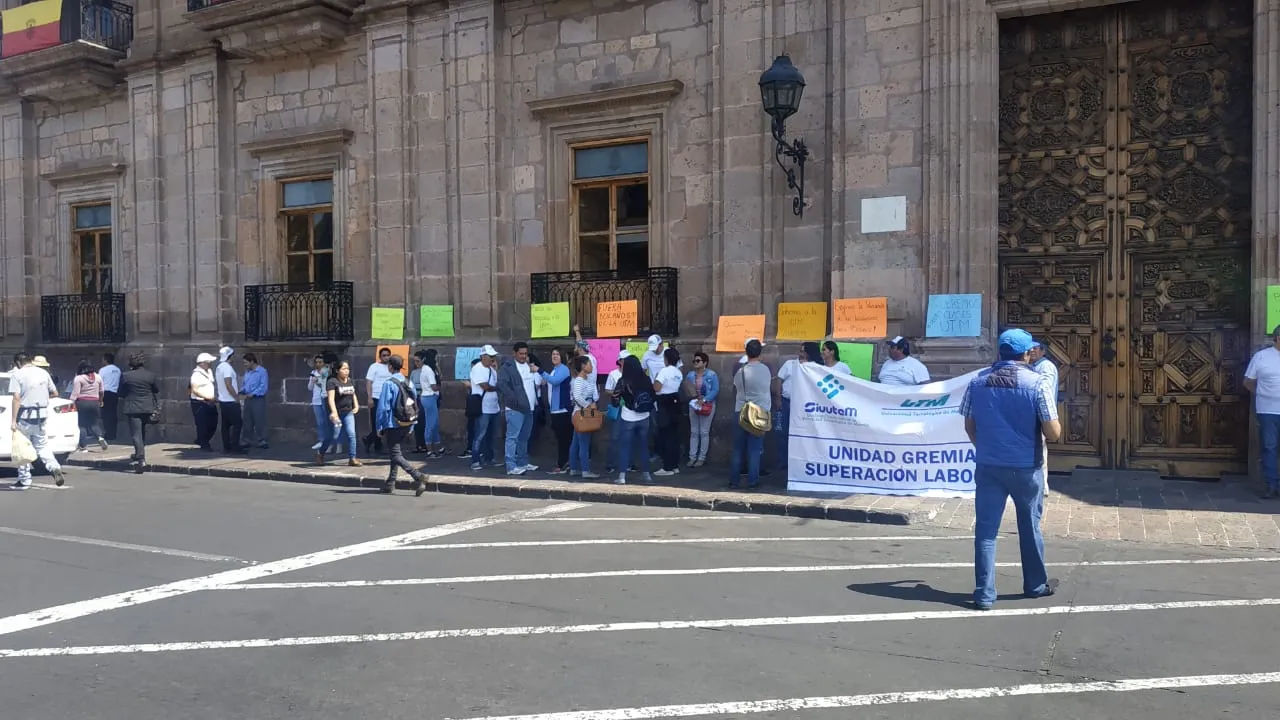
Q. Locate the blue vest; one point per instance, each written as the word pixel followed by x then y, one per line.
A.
pixel 1004 406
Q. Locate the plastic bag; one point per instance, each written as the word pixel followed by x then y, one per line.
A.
pixel 23 452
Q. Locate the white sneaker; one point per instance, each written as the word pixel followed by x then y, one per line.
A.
pixel 665 473
pixel 317 446
pixel 621 480
pixel 530 468
pixel 590 476
pixel 516 471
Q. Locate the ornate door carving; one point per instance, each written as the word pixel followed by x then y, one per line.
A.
pixel 1124 225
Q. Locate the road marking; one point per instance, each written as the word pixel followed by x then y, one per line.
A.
pixel 665 518
pixel 48 486
pixel 125 546
pixel 902 698
pixel 747 570
pixel 679 541
pixel 625 627
pixel 70 611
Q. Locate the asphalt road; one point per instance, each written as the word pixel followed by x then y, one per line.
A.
pixel 131 598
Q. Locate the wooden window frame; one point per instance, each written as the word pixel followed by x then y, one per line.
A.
pixel 77 234
pixel 612 182
pixel 309 211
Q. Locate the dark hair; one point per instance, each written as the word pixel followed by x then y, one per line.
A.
pixel 250 357
pixel 137 360
pixel 672 356
pixel 337 364
pixel 20 359
pixel 701 356
pixel 474 362
pixel 109 357
pixel 429 360
pixel 321 357
pixel 833 347
pixel 395 363
pixel 578 363
pixel 1007 353
pixel 522 345
pixel 557 349
pixel 388 351
pixel 329 357
pixel 633 375
pixel 84 368
pixel 754 348
pixel 812 352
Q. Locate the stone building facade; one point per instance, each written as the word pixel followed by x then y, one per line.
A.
pixel 449 152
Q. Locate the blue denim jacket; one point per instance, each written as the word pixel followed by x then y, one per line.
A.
pixel 386 401
pixel 710 380
pixel 558 380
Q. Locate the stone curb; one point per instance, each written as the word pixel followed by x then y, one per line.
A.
pixel 640 495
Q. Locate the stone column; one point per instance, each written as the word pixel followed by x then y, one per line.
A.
pixel 388 81
pixel 430 235
pixel 17 219
pixel 961 82
pixel 1266 159
pixel 145 170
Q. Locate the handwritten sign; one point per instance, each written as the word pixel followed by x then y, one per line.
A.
pixel 387 324
pixel 638 348
pixel 617 319
pixel 1273 308
pixel 605 351
pixel 405 354
pixel 734 330
pixel 859 357
pixel 435 321
pixel 462 360
pixel 549 320
pixel 954 316
pixel 802 321
pixel 860 317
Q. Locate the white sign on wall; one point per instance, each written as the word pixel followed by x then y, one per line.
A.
pixel 886 214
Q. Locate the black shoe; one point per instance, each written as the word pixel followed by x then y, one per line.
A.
pixel 207 448
pixel 1050 588
pixel 419 486
pixel 58 478
pixel 389 487
pixel 138 467
pixel 980 606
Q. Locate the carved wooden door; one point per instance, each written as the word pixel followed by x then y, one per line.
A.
pixel 1124 225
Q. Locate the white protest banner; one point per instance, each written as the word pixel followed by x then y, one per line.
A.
pixel 853 436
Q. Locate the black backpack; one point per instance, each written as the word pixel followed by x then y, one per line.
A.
pixel 405 411
pixel 640 402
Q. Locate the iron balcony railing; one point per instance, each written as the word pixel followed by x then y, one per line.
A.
pixel 656 290
pixel 85 318
pixel 299 312
pixel 101 22
pixel 194 5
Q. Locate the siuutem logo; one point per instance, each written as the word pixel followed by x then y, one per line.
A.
pixel 830 386
pixel 936 402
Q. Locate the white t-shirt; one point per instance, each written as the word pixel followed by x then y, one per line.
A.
pixel 785 373
pixel 611 382
pixel 670 378
pixel 1265 369
pixel 33 386
pixel 595 389
pixel 202 381
pixel 377 374
pixel 653 363
pixel 907 371
pixel 227 372
pixel 426 378
pixel 842 366
pixel 530 380
pixel 317 380
pixel 482 374
pixel 110 375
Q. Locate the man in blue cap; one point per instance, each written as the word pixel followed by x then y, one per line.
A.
pixel 1009 412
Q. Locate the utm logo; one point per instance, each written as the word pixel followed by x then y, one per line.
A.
pixel 830 386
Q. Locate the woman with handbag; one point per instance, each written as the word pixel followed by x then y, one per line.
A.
pixel 559 383
pixel 704 386
pixel 587 418
pixel 139 402
pixel 666 387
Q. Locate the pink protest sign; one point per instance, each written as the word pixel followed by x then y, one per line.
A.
pixel 605 351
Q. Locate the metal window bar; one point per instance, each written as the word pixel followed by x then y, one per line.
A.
pixel 101 22
pixel 299 312
pixel 83 318
pixel 656 289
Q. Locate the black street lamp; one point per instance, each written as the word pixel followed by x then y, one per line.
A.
pixel 780 89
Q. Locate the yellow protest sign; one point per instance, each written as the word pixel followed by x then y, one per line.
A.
pixel 617 319
pixel 549 320
pixel 860 318
pixel 387 324
pixel 638 348
pixel 733 331
pixel 435 321
pixel 802 321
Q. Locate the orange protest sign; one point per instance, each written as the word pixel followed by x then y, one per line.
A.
pixel 733 331
pixel 802 321
pixel 620 318
pixel 860 318
pixel 405 353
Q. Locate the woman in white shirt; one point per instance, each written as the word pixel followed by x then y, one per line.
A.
pixel 666 384
pixel 582 392
pixel 429 401
pixel 636 393
pixel 831 357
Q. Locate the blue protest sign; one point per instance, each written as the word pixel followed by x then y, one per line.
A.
pixel 462 362
pixel 954 316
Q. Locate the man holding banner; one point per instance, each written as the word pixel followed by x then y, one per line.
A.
pixel 1008 414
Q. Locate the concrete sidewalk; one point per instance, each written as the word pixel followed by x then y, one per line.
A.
pixel 1086 505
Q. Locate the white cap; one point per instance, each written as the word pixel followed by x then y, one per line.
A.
pixel 205 358
pixel 488 350
pixel 655 341
pixel 742 360
pixel 226 352
pixel 624 354
pixel 896 340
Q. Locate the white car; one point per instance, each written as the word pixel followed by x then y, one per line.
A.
pixel 62 429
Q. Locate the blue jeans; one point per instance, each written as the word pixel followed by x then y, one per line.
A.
pixel 744 443
pixel 324 428
pixel 632 445
pixel 347 421
pixel 993 486
pixel 580 452
pixel 482 448
pixel 519 425
pixel 430 419
pixel 782 429
pixel 1269 445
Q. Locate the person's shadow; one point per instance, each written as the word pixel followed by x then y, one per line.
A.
pixel 918 591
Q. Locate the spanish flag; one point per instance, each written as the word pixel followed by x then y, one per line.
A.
pixel 31 27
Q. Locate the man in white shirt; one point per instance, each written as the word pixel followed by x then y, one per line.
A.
pixel 110 374
pixel 518 380
pixel 1262 378
pixel 484 382
pixel 32 388
pixel 373 380
pixel 1041 363
pixel 782 391
pixel 901 368
pixel 204 398
pixel 228 390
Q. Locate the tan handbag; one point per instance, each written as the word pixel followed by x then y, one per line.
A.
pixel 588 419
